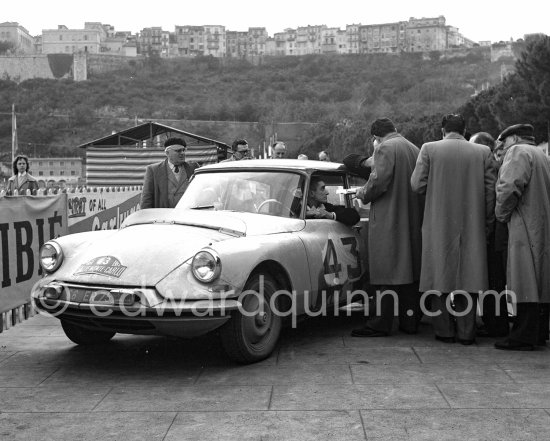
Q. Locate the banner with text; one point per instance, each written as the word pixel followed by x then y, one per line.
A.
pixel 102 210
pixel 26 222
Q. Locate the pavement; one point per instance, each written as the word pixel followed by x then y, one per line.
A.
pixel 320 384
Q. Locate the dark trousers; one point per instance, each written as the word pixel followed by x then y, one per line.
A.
pixel 446 324
pixel 495 316
pixel 531 323
pixel 496 319
pixel 382 308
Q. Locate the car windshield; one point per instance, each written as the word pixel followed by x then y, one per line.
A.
pixel 272 193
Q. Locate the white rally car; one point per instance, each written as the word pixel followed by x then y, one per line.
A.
pixel 237 253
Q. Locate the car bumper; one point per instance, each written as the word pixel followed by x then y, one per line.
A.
pixel 148 314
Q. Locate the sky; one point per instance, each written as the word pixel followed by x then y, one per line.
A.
pixel 478 20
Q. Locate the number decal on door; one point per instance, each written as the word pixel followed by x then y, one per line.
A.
pixel 341 261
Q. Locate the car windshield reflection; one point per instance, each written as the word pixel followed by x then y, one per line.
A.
pixel 271 193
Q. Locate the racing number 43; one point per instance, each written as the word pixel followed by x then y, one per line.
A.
pixel 333 267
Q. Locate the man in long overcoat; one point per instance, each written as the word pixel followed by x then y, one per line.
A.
pixel 458 179
pixel 523 201
pixel 166 181
pixel 394 238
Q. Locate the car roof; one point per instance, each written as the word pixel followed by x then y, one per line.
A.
pixel 276 164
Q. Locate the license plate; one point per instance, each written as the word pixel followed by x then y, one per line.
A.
pixel 100 297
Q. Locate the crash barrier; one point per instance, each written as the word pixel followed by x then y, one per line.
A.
pixel 26 222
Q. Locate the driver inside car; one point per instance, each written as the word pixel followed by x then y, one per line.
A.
pixel 319 208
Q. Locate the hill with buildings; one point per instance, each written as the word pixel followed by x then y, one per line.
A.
pixel 53 116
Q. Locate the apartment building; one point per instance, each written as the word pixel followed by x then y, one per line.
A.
pixel 309 39
pixel 190 40
pixel 67 41
pixel 215 43
pixel 16 34
pixel 56 171
pixel 257 38
pixel 285 42
pixel 426 34
pixel 329 40
pixel 151 41
pixel 353 39
pixel 236 44
pixel 383 38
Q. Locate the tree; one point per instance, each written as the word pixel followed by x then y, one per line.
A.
pixel 6 47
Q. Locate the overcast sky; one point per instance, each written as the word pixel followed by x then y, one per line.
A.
pixel 476 19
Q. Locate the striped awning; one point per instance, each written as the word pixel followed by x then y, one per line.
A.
pixel 116 166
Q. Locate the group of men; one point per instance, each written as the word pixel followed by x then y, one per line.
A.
pixel 432 232
pixel 166 181
pixel 433 238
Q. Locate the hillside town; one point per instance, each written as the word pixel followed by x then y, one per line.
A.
pixel 412 35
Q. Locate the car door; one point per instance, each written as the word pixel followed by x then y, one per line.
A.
pixel 334 250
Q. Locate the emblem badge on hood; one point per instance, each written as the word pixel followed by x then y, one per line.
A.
pixel 103 266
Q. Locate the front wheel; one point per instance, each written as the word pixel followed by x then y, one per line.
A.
pixel 252 332
pixel 85 336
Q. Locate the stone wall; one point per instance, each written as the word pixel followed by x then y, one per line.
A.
pixel 101 63
pixel 78 66
pixel 25 67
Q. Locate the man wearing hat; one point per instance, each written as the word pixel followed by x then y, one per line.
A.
pixel 458 179
pixel 166 181
pixel 394 237
pixel 523 201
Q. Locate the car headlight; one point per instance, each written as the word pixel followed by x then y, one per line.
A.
pixel 206 266
pixel 51 256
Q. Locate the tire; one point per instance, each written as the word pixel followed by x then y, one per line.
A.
pixel 248 339
pixel 85 336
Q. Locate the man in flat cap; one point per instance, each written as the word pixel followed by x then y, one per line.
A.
pixel 523 201
pixel 166 181
pixel 394 238
pixel 458 179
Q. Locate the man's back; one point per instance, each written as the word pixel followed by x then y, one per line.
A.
pixel 458 179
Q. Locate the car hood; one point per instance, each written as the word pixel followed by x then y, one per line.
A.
pixel 152 243
pixel 231 222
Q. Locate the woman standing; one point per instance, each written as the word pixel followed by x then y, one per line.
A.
pixel 21 179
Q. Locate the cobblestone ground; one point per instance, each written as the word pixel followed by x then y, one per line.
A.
pixel 320 384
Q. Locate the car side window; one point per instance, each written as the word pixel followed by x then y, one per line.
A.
pixel 333 183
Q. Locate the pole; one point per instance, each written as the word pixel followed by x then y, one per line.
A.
pixel 13 133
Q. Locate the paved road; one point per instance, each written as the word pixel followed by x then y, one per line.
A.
pixel 321 384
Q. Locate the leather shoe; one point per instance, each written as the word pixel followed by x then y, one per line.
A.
pixel 368 332
pixel 512 345
pixel 466 342
pixel 445 339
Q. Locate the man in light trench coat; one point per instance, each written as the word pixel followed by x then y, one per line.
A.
pixel 458 179
pixel 394 237
pixel 523 201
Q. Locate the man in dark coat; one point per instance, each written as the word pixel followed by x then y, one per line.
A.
pixel 319 208
pixel 394 236
pixel 166 181
pixel 458 179
pixel 523 201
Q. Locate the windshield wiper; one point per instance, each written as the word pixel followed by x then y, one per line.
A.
pixel 202 207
